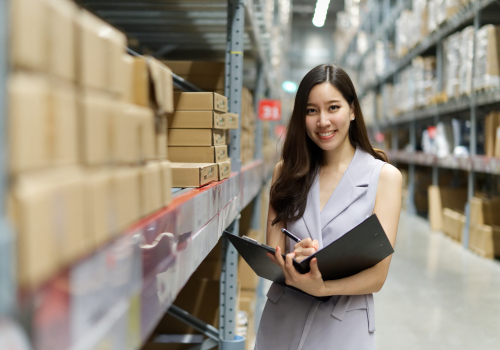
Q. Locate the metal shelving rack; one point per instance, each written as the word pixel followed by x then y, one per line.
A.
pixel 126 286
pixel 380 29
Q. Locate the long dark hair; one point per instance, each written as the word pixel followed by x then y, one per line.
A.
pixel 301 157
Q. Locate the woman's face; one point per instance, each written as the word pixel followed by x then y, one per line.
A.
pixel 328 117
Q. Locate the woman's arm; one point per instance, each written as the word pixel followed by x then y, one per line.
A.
pixel 274 236
pixel 387 208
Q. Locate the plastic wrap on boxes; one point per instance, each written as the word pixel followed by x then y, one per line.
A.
pixel 466 55
pixel 452 64
pixel 487 74
pixel 432 24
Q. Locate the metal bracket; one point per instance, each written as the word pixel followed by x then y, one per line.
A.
pixel 194 322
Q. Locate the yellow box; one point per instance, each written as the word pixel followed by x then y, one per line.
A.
pixel 62 33
pixel 193 174
pixel 28 122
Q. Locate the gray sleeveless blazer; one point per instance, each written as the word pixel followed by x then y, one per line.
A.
pixel 293 320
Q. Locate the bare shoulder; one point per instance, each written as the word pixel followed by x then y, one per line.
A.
pixel 390 176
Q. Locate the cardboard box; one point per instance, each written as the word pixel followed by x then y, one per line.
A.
pixel 125 194
pixel 224 169
pixel 28 127
pixel 205 82
pixel 197 120
pixel 31 215
pixel 196 137
pixel 442 197
pixel 497 142
pixel 484 211
pixel 232 120
pixel 249 279
pixel 146 117
pixel 29 34
pixel 491 124
pixel 485 240
pixel 63 123
pixel 200 101
pixel 124 134
pixel 161 132
pixel 193 174
pixel 196 68
pixel 98 201
pixel 161 77
pixel 168 90
pixel 115 44
pixel 228 136
pixel 209 154
pixel 453 224
pixel 151 188
pixel 141 81
pixel 93 129
pixel 61 43
pixel 91 52
pixel 166 182
pixel 128 79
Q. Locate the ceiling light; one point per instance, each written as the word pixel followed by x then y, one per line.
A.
pixel 320 12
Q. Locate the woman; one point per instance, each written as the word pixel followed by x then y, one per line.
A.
pixel 328 181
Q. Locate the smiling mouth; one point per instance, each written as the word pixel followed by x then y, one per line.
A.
pixel 327 134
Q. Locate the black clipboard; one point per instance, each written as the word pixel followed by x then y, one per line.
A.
pixel 359 249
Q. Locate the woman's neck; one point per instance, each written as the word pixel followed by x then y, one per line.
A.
pixel 340 157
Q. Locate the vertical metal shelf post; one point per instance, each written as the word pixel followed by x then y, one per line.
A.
pixel 233 90
pixel 7 244
pixel 473 127
pixel 440 79
pixel 411 170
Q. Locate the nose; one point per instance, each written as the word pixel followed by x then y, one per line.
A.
pixel 323 121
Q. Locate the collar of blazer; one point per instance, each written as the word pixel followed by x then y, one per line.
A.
pixel 352 185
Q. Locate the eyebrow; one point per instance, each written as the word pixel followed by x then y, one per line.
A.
pixel 331 101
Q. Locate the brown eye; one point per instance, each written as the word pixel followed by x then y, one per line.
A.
pixel 310 110
pixel 334 107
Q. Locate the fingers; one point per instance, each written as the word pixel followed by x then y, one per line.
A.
pixel 305 243
pixel 315 269
pixel 315 244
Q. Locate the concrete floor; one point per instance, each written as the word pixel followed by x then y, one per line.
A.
pixel 438 295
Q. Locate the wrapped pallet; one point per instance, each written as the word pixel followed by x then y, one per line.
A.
pixel 487 74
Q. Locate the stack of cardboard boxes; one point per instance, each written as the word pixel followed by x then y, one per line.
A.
pixel 446 208
pixel 484 229
pixel 492 134
pixel 87 146
pixel 247 127
pixel 197 139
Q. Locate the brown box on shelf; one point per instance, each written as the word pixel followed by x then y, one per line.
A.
pixel 453 223
pixel 128 79
pixel 95 113
pixel 197 120
pixel 162 80
pixel 141 81
pixel 196 137
pixel 97 204
pixel 146 117
pixel 484 211
pixel 205 82
pixel 29 34
pixel 485 240
pixel 166 182
pixel 28 129
pixel 491 124
pixel 125 194
pixel 151 188
pixel 91 51
pixel 248 278
pixel 200 101
pixel 115 44
pixel 196 68
pixel 161 130
pixel 168 88
pixel 442 197
pixel 209 154
pixel 232 121
pixel 62 34
pixel 124 134
pixel 63 123
pixel 193 174
pixel 30 212
pixel 497 142
pixel 224 169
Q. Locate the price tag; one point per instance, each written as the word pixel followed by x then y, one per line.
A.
pixel 270 110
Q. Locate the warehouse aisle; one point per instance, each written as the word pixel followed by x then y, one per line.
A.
pixel 437 295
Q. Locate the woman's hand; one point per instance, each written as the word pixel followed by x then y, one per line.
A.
pixel 312 282
pixel 305 248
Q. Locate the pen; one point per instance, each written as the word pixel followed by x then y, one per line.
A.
pixel 291 235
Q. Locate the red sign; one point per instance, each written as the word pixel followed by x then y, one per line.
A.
pixel 270 110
